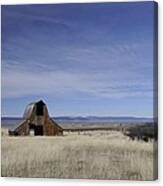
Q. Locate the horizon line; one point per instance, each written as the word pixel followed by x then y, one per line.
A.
pixel 86 116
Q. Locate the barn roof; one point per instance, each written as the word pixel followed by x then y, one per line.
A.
pixel 13 124
pixel 29 109
pixel 14 127
pixel 54 123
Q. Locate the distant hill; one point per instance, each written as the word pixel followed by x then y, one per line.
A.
pixel 104 119
pixel 79 119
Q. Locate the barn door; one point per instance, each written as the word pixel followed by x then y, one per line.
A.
pixel 38 131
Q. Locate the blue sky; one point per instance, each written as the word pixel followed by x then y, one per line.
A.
pixel 81 59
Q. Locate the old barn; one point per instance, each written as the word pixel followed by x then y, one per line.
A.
pixel 37 122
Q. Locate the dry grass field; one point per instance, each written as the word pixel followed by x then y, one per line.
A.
pixel 91 155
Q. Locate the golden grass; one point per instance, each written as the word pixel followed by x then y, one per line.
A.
pixel 93 155
pixel 4 132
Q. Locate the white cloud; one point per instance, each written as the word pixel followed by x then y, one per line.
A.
pixel 16 82
pixel 116 71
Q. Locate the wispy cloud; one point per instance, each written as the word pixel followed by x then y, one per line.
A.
pixel 86 52
pixel 18 82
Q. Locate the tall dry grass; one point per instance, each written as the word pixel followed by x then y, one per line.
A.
pixel 93 155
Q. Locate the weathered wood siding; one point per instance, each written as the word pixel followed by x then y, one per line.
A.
pixel 22 129
pixel 50 128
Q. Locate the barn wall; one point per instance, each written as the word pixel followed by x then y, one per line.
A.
pixel 50 129
pixel 39 119
pixel 32 117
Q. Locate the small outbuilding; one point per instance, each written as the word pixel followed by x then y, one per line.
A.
pixel 37 122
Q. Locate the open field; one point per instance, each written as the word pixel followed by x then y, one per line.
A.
pixel 92 154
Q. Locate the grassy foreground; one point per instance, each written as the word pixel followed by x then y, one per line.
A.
pixel 94 155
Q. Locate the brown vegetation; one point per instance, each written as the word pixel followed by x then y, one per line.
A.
pixel 92 154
